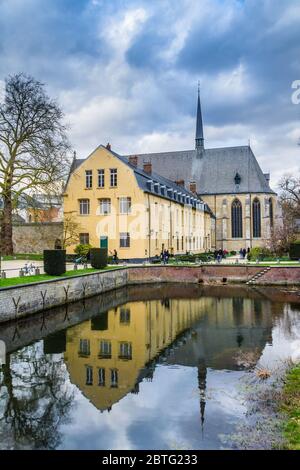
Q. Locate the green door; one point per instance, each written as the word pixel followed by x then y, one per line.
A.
pixel 103 242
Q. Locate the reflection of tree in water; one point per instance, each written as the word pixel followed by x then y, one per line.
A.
pixel 35 398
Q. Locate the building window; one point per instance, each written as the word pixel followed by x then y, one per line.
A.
pixel 114 378
pixel 84 239
pixel 124 240
pixel 113 177
pixel 256 218
pixel 125 205
pixel 89 179
pixel 125 351
pixel 105 349
pixel 125 316
pixel 89 375
pixel 100 178
pixel 105 206
pixel 236 219
pixel 271 212
pixel 101 377
pixel 84 206
pixel 84 347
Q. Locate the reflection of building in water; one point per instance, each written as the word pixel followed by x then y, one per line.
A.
pixel 109 355
pixel 232 325
pixel 106 356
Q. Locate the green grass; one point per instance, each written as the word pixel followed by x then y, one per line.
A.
pixel 14 281
pixel 24 256
pixel 290 405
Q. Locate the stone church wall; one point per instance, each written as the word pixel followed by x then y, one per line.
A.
pixel 36 237
pixel 221 206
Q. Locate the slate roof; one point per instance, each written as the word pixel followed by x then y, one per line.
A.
pixel 156 184
pixel 213 170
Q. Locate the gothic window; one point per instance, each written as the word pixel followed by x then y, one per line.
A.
pixel 256 218
pixel 236 219
pixel 271 212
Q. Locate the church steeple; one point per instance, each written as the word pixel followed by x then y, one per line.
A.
pixel 199 125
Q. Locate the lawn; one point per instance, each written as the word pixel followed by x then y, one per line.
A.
pixel 24 256
pixel 14 281
pixel 290 405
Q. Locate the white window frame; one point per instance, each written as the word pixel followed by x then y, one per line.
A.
pixel 124 240
pixel 101 178
pixel 125 205
pixel 113 177
pixel 84 206
pixel 88 179
pixel 89 375
pixel 105 348
pixel 105 206
pixel 114 378
pixel 101 377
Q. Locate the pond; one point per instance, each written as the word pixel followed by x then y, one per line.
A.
pixel 144 367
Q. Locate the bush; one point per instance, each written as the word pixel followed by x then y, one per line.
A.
pixel 98 257
pixel 232 253
pixel 55 262
pixel 82 250
pixel 259 253
pixel 191 258
pixel 295 250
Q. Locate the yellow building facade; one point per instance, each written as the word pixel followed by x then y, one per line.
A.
pixel 136 212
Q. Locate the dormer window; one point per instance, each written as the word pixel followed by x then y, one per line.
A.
pixel 150 185
pixel 237 179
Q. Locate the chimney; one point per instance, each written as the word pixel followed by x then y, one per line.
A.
pixel 193 187
pixel 108 146
pixel 147 167
pixel 180 183
pixel 133 160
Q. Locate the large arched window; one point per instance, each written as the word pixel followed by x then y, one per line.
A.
pixel 236 219
pixel 271 212
pixel 256 218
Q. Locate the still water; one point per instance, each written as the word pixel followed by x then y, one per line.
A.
pixel 157 367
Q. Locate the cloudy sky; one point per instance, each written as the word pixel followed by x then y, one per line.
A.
pixel 126 71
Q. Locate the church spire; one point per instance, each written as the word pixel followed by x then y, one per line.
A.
pixel 199 125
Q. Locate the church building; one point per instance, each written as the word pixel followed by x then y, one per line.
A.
pixel 230 181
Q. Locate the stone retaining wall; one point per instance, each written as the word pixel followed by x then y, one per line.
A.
pixel 36 237
pixel 24 300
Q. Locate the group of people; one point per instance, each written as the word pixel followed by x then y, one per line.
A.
pixel 220 254
pixel 243 252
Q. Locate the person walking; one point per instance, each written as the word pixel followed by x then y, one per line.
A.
pixel 241 253
pixel 115 257
pixel 244 253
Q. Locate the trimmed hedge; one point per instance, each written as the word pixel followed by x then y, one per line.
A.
pixel 98 257
pixel 55 262
pixel 295 250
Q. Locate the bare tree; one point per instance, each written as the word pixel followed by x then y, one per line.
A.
pixel 71 230
pixel 290 195
pixel 33 146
